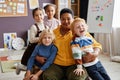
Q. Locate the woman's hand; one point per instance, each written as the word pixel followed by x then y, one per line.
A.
pixel 27 75
pixel 41 59
pixel 26 78
pixel 34 77
pixel 89 57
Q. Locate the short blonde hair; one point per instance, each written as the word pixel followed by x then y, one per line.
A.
pixel 77 20
pixel 44 32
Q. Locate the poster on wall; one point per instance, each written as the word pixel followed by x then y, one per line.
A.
pixel 100 16
pixel 11 8
pixel 8 37
pixel 33 4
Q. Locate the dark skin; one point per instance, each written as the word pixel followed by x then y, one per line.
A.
pixel 41 59
pixel 91 56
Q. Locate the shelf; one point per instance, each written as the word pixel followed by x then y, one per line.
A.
pixel 60 5
pixel 75 6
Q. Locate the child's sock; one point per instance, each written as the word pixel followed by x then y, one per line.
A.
pixel 20 67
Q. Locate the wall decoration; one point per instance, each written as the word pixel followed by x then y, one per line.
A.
pixel 18 43
pixel 11 8
pixel 33 4
pixel 100 16
pixel 8 37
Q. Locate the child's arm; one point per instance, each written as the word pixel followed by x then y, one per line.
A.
pixel 77 55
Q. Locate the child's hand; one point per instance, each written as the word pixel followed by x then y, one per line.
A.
pixel 79 71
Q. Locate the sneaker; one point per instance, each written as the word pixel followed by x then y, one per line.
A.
pixel 20 67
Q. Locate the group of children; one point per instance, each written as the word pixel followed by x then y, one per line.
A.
pixel 80 46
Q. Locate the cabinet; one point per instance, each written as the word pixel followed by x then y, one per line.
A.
pixel 60 5
pixel 73 4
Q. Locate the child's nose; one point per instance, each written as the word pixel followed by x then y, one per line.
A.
pixel 47 39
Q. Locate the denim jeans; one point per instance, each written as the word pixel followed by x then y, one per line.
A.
pixel 97 72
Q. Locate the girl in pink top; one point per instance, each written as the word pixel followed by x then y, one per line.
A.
pixel 50 20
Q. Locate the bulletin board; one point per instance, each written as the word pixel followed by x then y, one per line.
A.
pixel 100 16
pixel 11 8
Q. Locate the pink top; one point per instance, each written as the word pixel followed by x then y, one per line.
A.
pixel 51 23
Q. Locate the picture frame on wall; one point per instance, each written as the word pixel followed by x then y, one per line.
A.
pixel 33 4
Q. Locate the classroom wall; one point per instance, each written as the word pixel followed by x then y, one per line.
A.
pixel 20 25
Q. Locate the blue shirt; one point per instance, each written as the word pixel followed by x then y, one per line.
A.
pixel 49 52
pixel 82 41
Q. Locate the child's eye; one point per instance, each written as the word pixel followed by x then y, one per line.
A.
pixel 52 10
pixel 49 37
pixel 82 25
pixel 40 14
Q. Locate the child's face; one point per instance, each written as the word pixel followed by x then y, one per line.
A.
pixel 80 28
pixel 39 16
pixel 50 11
pixel 47 39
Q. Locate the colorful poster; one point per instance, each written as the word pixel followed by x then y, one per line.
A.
pixel 8 37
pixel 100 16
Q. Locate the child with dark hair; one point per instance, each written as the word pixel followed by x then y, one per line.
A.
pixel 50 20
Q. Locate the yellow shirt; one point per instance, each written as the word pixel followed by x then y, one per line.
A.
pixel 64 55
